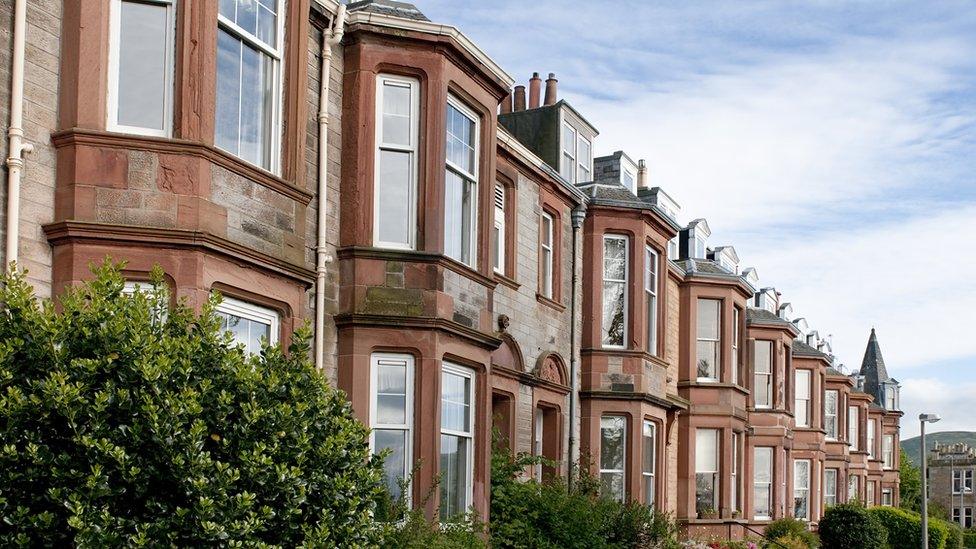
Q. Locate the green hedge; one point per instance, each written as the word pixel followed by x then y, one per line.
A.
pixel 905 528
pixel 851 526
pixel 796 529
pixel 969 539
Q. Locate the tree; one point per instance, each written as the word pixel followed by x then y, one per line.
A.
pixel 122 423
pixel 910 488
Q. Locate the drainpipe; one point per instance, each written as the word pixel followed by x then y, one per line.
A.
pixel 15 134
pixel 330 37
pixel 578 215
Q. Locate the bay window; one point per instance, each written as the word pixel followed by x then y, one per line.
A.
pixel 709 339
pixel 546 255
pixel 141 52
pixel 830 487
pixel 762 366
pixel 801 400
pixel 613 446
pixel 249 324
pixel 457 440
pixel 801 489
pixel 395 178
pixel 831 398
pixel 852 423
pixel 461 184
pixel 498 231
pixel 649 462
pixel 650 295
pixel 706 470
pixel 762 490
pixel 615 271
pixel 249 48
pixel 391 416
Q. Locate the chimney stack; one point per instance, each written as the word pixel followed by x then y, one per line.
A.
pixel 535 90
pixel 551 89
pixel 519 98
pixel 641 174
pixel 506 106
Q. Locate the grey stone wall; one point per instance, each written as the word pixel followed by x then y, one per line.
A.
pixel 41 75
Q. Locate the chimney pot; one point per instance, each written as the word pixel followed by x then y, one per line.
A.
pixel 641 174
pixel 506 106
pixel 519 98
pixel 551 83
pixel 535 90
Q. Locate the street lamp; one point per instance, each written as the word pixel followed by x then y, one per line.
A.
pixel 922 420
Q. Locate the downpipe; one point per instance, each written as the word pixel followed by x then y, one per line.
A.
pixel 15 134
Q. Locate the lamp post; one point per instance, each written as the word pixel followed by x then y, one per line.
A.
pixel 923 419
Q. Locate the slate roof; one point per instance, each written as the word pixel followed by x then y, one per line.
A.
pixel 615 194
pixel 392 8
pixel 834 371
pixel 766 317
pixel 802 349
pixel 873 369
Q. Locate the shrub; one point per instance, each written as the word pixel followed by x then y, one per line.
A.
pixel 796 529
pixel 790 541
pixel 122 426
pixel 969 539
pixel 905 528
pixel 954 539
pixel 851 526
pixel 549 515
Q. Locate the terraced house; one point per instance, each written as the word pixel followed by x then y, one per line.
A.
pixel 468 262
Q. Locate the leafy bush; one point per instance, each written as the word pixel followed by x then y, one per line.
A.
pixel 851 526
pixel 954 538
pixel 905 528
pixel 123 426
pixel 796 529
pixel 969 539
pixel 790 541
pixel 549 515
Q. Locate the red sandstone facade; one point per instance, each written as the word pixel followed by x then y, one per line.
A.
pixel 485 271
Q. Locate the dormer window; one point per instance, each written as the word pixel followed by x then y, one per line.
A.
pixel 891 396
pixel 766 299
pixel 629 180
pixel 577 156
pixel 694 243
pixel 673 249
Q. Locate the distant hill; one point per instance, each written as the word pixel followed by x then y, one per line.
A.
pixel 948 437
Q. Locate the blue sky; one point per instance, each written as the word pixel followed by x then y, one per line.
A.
pixel 832 143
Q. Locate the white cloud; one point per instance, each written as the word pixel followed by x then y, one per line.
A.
pixel 953 401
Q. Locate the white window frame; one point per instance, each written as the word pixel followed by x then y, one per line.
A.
pixel 462 371
pixel 252 312
pixel 962 481
pixel 376 360
pixel 802 400
pixel 500 198
pixel 764 485
pixel 583 164
pixel 114 57
pixel 716 476
pixel 649 473
pixel 869 489
pixel 623 465
pixel 828 414
pixel 717 342
pixel 736 334
pixel 652 268
pixel 767 375
pixel 800 490
pixel 736 476
pixel 626 174
pixel 624 281
pixel 830 498
pixel 853 488
pixel 547 234
pixel 414 86
pixel 888 451
pixel 570 155
pixel 886 497
pixel 853 418
pixel 872 428
pixel 277 55
pixel 470 177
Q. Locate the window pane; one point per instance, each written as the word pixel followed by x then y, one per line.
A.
pixel 708 359
pixel 455 407
pixel 228 92
pixel 615 258
pixel 459 198
pixel 612 430
pixel 612 485
pixel 648 448
pixel 706 450
pixel 454 475
pixel 143 65
pixel 391 394
pixel 394 197
pixel 395 466
pixel 708 318
pixel 396 114
pixel 613 313
pixel 245 91
pixel 460 140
